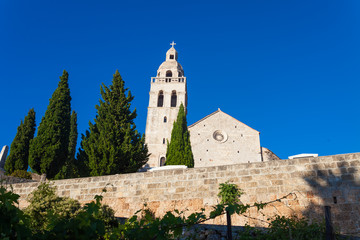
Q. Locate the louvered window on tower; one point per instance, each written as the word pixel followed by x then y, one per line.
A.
pixel 173 99
pixel 160 99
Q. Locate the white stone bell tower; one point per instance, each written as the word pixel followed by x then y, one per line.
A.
pixel 167 92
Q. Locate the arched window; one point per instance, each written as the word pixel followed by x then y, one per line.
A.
pixel 164 141
pixel 165 119
pixel 160 99
pixel 168 73
pixel 162 161
pixel 173 99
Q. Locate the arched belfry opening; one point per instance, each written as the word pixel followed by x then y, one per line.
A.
pixel 160 102
pixel 168 73
pixel 173 98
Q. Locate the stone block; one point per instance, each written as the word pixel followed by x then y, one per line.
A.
pixel 180 190
pixel 277 182
pixel 178 171
pixel 221 168
pixel 254 171
pixel 242 172
pixel 251 184
pixel 210 181
pixel 246 179
pixel 347 177
pixel 152 185
pixel 342 164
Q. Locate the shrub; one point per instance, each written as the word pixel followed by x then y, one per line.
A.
pixel 229 193
pixel 45 205
pixel 283 228
pixel 21 174
pixel 13 223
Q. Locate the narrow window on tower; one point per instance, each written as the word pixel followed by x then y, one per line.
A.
pixel 160 99
pixel 163 140
pixel 173 99
pixel 162 161
pixel 165 119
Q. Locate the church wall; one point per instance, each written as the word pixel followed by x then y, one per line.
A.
pixel 242 142
pixel 315 182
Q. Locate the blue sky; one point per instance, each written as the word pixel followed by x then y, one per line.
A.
pixel 289 69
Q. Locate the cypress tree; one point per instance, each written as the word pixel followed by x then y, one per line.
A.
pixel 73 136
pixel 69 169
pixel 179 149
pixel 112 145
pixel 49 149
pixel 19 151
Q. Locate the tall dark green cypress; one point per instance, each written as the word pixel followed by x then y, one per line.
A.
pixel 19 151
pixel 69 169
pixel 49 149
pixel 113 145
pixel 73 136
pixel 179 149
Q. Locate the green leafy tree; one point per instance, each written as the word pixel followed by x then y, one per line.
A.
pixel 19 151
pixel 49 150
pixel 113 144
pixel 179 149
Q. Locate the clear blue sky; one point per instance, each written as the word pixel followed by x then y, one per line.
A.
pixel 289 69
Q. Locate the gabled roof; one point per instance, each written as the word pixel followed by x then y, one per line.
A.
pixel 219 111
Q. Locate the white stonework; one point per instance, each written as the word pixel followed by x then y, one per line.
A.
pixel 217 139
pixel 171 84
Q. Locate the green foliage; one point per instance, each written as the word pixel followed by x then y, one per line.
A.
pixel 51 217
pixel 19 151
pixel 229 193
pixel 113 144
pixel 45 205
pixel 69 169
pixel 21 174
pixel 49 149
pixel 13 222
pixel 283 228
pixel 89 223
pixel 179 149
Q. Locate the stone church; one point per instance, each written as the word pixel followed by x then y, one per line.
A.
pixel 217 139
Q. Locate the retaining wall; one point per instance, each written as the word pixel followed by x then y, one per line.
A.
pixel 315 182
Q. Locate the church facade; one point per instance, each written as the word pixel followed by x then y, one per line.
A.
pixel 217 139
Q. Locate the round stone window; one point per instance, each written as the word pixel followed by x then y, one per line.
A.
pixel 220 136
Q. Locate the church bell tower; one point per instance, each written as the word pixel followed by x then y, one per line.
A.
pixel 167 92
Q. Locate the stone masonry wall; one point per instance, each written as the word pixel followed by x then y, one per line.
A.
pixel 315 182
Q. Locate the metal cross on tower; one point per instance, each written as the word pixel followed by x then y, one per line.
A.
pixel 172 44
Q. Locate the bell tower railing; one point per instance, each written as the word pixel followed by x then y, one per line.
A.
pixel 168 79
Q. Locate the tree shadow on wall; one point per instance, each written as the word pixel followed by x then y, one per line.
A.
pixel 335 184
